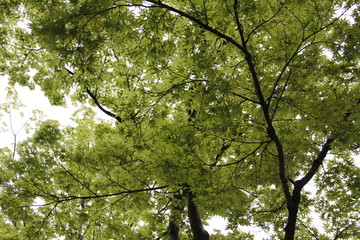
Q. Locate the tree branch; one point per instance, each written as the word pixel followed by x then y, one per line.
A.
pixel 61 199
pixel 309 230
pixel 237 20
pixel 198 22
pixel 337 236
pixel 245 98
pixel 299 49
pixel 113 115
pixel 44 220
pixel 272 211
pixel 178 205
pixel 96 101
pixel 270 128
pixel 263 23
pixel 240 160
pixel 316 163
pixel 75 178
pixel 118 193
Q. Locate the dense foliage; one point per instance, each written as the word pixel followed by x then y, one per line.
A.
pixel 225 108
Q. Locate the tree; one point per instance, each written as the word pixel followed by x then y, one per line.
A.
pixel 223 108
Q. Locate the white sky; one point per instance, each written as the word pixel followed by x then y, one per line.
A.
pixel 33 100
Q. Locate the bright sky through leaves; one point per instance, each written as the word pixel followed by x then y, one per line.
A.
pixel 208 108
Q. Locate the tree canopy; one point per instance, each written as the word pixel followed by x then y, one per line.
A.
pixel 210 108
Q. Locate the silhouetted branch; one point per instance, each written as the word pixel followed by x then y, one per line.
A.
pixel 198 22
pixel 337 236
pixel 44 220
pixel 272 211
pixel 316 163
pixel 113 115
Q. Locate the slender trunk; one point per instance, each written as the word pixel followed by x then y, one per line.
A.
pixel 291 222
pixel 175 217
pixel 293 209
pixel 173 231
pixel 195 220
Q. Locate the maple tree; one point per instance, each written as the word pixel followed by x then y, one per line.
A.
pixel 225 108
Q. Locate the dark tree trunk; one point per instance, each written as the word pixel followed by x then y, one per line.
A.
pixel 291 222
pixel 293 209
pixel 176 210
pixel 173 231
pixel 195 221
pixel 293 200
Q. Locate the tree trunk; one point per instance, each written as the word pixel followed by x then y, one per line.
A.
pixel 291 222
pixel 176 210
pixel 173 231
pixel 293 209
pixel 195 221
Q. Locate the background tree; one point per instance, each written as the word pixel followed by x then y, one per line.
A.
pixel 226 108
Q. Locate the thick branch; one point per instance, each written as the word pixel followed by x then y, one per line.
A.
pixel 270 128
pixel 316 163
pixel 265 109
pixel 96 101
pixel 224 147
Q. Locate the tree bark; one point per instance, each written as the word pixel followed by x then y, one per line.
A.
pixel 176 210
pixel 294 201
pixel 293 209
pixel 195 220
pixel 173 231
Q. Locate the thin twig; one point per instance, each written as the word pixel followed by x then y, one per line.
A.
pixel 75 178
pixel 309 230
pixel 44 220
pixel 237 161
pixel 271 211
